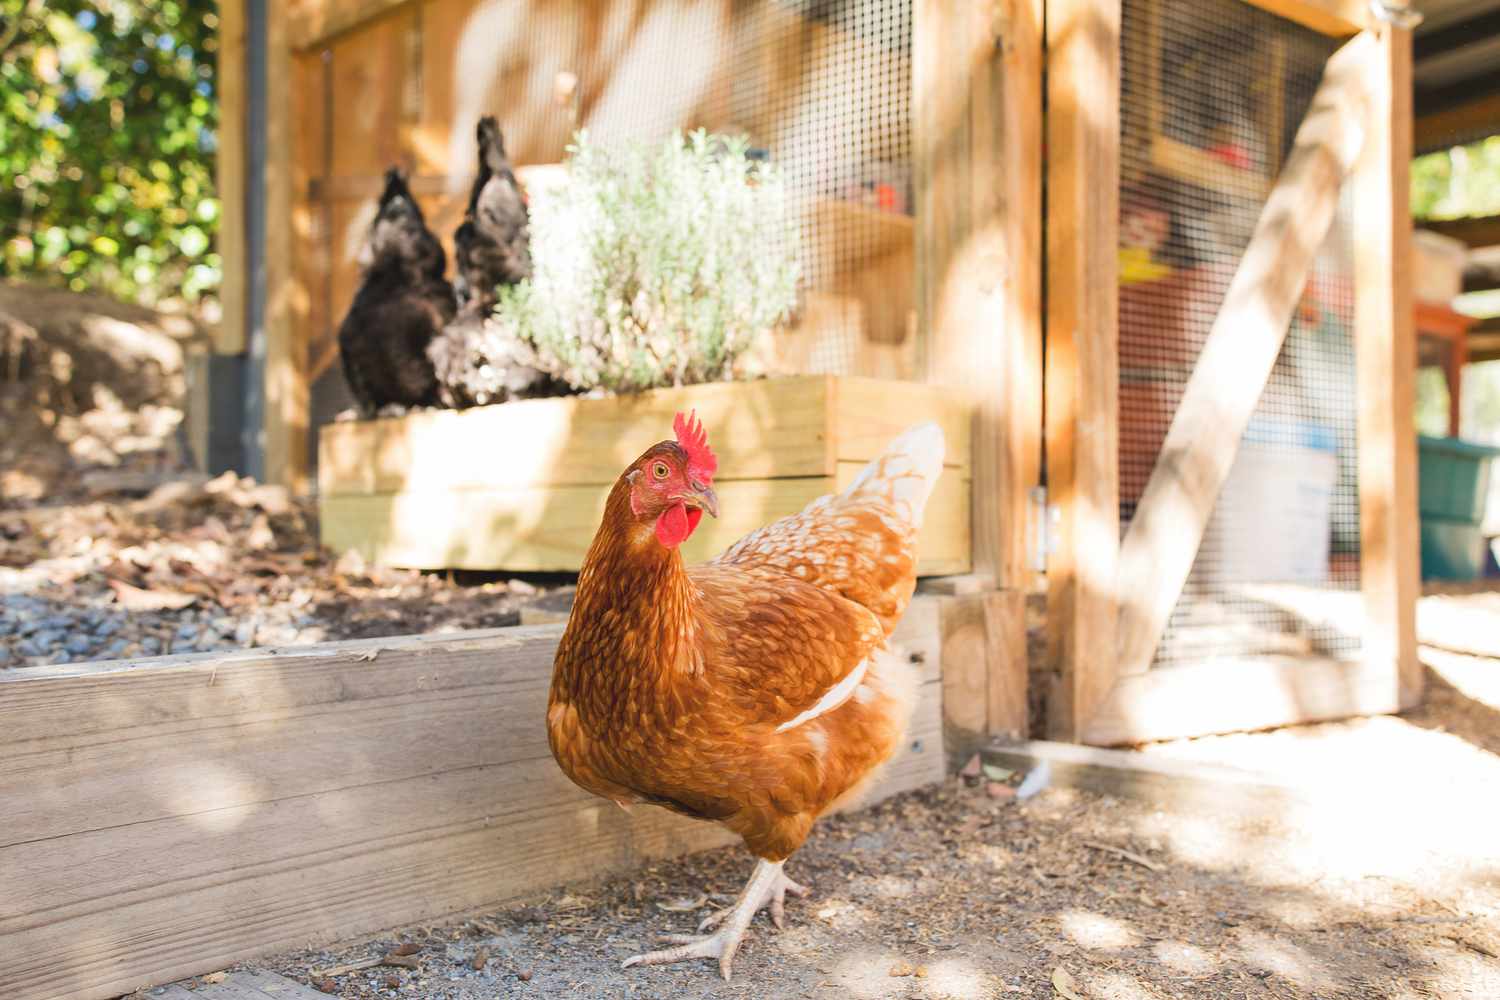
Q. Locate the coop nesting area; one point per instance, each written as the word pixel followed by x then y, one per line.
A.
pixel 820 92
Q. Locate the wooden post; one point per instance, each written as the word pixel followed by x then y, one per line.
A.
pixel 977 131
pixel 285 430
pixel 1162 541
pixel 229 177
pixel 1082 381
pixel 1385 346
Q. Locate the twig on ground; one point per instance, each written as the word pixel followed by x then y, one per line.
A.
pixel 334 971
pixel 1120 852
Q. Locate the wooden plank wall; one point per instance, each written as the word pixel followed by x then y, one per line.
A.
pixel 170 817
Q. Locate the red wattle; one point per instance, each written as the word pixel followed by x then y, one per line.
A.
pixel 673 526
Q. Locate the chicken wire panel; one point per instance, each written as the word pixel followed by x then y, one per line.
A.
pixel 1212 94
pixel 822 90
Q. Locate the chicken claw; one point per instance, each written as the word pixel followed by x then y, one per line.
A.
pixel 767 885
pixel 775 899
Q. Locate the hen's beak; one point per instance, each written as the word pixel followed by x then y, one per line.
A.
pixel 705 498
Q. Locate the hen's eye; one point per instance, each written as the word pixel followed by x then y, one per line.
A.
pixel 660 470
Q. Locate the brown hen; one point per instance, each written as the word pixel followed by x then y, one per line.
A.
pixel 754 690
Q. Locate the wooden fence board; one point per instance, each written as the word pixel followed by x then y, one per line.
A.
pixel 170 817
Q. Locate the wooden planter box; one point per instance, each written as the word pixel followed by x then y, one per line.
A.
pixel 521 486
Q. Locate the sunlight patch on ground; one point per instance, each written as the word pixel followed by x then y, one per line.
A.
pixel 958 979
pixel 1188 959
pixel 893 887
pixel 1119 986
pixel 1261 951
pixel 1095 930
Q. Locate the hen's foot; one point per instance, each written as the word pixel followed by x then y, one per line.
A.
pixel 775 898
pixel 767 886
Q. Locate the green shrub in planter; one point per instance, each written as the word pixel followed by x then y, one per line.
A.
pixel 655 267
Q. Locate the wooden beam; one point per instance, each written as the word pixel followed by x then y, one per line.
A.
pixel 1385 349
pixel 232 80
pixel 1182 785
pixel 1476 232
pixel 1162 540
pixel 1339 18
pixel 1436 100
pixel 1231 695
pixel 318 22
pixel 1484 346
pixel 1020 403
pixel 170 817
pixel 285 429
pixel 1082 378
pixel 1459 124
pixel 978 173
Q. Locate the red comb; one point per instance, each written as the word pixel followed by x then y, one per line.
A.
pixel 694 440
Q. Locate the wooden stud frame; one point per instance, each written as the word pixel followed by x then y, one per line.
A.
pixel 1103 693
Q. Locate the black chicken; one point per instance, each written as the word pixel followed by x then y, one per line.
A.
pixel 476 362
pixel 404 301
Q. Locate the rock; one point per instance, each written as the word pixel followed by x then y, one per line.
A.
pixel 116 650
pixel 107 628
pixel 79 645
pixel 48 638
pixel 150 645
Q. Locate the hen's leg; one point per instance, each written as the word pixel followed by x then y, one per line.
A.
pixel 767 885
pixel 775 898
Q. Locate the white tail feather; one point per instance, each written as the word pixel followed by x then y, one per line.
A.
pixel 906 472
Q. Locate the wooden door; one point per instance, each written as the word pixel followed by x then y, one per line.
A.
pixel 1124 574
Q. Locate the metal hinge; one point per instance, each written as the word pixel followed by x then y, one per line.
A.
pixel 1042 526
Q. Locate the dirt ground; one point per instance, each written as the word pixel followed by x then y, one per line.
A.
pixel 949 893
pixel 1386 886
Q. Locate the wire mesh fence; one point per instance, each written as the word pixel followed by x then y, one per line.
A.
pixel 1212 94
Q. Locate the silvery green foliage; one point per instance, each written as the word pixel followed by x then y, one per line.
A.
pixel 656 266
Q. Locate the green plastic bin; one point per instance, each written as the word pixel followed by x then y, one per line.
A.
pixel 1455 478
pixel 1455 483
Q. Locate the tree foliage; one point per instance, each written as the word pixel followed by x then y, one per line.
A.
pixel 107 123
pixel 1457 183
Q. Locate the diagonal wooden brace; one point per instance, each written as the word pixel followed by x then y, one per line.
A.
pixel 1162 540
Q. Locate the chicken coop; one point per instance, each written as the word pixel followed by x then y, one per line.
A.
pixel 1157 295
pixel 1183 371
